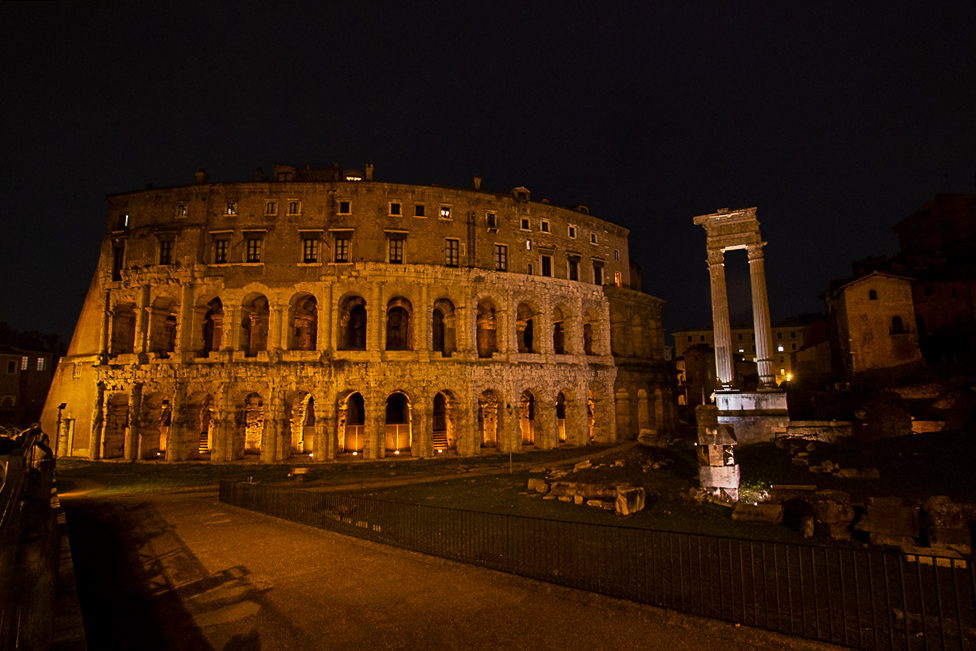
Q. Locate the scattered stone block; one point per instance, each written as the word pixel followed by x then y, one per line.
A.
pixel 758 513
pixel 548 497
pixel 562 498
pixel 889 517
pixel 859 473
pixel 578 500
pixel 583 464
pixel 807 526
pixel 630 499
pixel 538 485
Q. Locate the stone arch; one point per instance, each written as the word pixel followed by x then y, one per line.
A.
pixel 303 318
pixel 487 328
pixel 491 415
pixel 399 430
pixel 123 328
pixel 567 418
pixel 351 423
pixel 154 424
pixel 562 330
pixel 620 332
pixel 399 324
pixel 255 312
pixel 445 421
pixel 200 425
pixel 444 327
pixel 301 423
pixel 253 423
pixel 591 334
pixel 213 325
pixel 527 328
pixel 116 426
pixel 643 411
pixel 352 323
pixel 527 408
pixel 162 325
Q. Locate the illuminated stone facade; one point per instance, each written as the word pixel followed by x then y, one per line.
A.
pixel 325 315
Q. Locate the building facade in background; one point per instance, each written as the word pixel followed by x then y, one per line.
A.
pixel 25 376
pixel 320 313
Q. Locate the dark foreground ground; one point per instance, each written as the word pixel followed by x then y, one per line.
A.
pixel 182 571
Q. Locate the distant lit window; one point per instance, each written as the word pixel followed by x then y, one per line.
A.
pixel 782 371
pixel 23 362
pixel 779 348
pixel 123 221
pixel 395 208
pixel 344 208
pixel 501 257
pixel 452 252
pixel 742 350
pixel 271 208
pixel 40 363
pixel 254 249
pixel 221 248
pixel 419 210
pixel 616 278
pixel 310 250
pixel 294 207
pixel 445 212
pixel 231 208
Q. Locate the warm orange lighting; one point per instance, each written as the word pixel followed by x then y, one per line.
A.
pixel 396 452
pixel 789 377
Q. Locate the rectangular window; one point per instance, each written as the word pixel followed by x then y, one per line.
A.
pixel 525 224
pixel 342 247
pixel 166 252
pixel 592 238
pixel 180 210
pixel 793 335
pixel 396 251
pixel 310 250
pixel 24 361
pixel 793 346
pixel 220 251
pixel 597 273
pixel 491 220
pixel 616 254
pixel 501 257
pixel 395 208
pixel 254 249
pixel 118 259
pixel 445 212
pixel 572 232
pixel 452 252
pixel 574 268
pixel 40 363
pixel 616 278
pixel 344 208
pixel 530 269
pixel 547 266
pixel 12 366
pixel 294 207
pixel 419 210
pixel 231 208
pixel 545 226
pixel 271 208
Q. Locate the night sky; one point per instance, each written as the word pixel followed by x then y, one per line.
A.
pixel 835 119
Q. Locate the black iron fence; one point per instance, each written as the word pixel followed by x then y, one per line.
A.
pixel 860 598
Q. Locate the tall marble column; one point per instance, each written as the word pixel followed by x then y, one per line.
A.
pixel 760 317
pixel 720 319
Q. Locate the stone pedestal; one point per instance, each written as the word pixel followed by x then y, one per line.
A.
pixel 757 416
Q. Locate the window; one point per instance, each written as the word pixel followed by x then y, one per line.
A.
pixel 445 212
pixel 253 249
pixel 530 269
pixel 740 337
pixel 294 207
pixel 525 224
pixel 702 337
pixel 872 295
pixel 419 210
pixel 547 265
pixel 592 238
pixel 573 268
pixel 310 249
pixel 616 254
pixel 286 176
pixel 12 366
pixel 123 221
pixel 545 226
pixel 396 251
pixel 344 208
pixel 40 363
pixel 928 290
pixel 23 362
pixel 342 247
pixel 395 208
pixel 898 326
pixel 597 273
pixel 118 260
pixel 501 257
pixel 616 278
pixel 689 339
pixel 231 208
pixel 451 252
pixel 793 335
pixel 220 251
pixel 271 208
pixel 491 220
pixel 166 252
pixel 792 346
pixel 779 335
pixel 572 232
pixel 180 210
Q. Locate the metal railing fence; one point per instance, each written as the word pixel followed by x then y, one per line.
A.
pixel 855 597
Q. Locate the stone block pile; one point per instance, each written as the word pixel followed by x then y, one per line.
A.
pixel 624 499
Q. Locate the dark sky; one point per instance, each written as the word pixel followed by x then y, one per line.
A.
pixel 836 119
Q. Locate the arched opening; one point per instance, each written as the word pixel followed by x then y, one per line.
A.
pixel 591 334
pixel 527 418
pixel 352 324
pixel 162 326
pixel 445 434
pixel 643 413
pixel 154 426
pixel 561 416
pixel 559 334
pixel 525 328
pixel 398 330
pixel 590 413
pixel 587 339
pixel 872 295
pixel 622 406
pixel 443 328
pixel 301 423
pixel 123 329
pixel 253 423
pixel 897 325
pixel 620 332
pixel 116 426
pixel 201 422
pixel 638 344
pixel 398 431
pixel 254 325
pixel 487 328
pixel 305 314
pixel 213 326
pixel 489 418
pixel 352 419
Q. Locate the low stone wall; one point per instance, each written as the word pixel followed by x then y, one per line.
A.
pixel 825 431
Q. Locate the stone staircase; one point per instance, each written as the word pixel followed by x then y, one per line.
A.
pixel 440 440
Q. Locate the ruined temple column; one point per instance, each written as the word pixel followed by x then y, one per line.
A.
pixel 720 319
pixel 760 317
pixel 324 325
pixel 133 435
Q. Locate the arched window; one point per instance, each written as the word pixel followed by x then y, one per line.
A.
pixel 352 324
pixel 872 295
pixel 897 325
pixel 487 330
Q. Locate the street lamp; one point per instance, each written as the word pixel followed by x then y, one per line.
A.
pixel 57 433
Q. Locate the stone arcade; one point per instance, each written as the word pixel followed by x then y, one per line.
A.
pixel 325 315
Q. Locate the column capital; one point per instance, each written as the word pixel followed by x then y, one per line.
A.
pixel 755 251
pixel 715 256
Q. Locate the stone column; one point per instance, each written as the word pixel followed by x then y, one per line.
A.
pixel 274 328
pixel 176 442
pixel 272 424
pixel 378 321
pixel 325 443
pixel 720 319
pixel 106 321
pixel 230 338
pixel 184 326
pixel 421 317
pixel 98 424
pixel 760 317
pixel 324 333
pixel 139 345
pixel 134 434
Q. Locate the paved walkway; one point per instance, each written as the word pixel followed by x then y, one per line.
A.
pixel 182 571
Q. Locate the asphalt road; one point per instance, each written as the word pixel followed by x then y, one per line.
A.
pixel 182 571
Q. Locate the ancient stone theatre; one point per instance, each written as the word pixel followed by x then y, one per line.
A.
pixel 320 314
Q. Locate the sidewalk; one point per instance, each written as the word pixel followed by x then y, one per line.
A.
pixel 182 571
